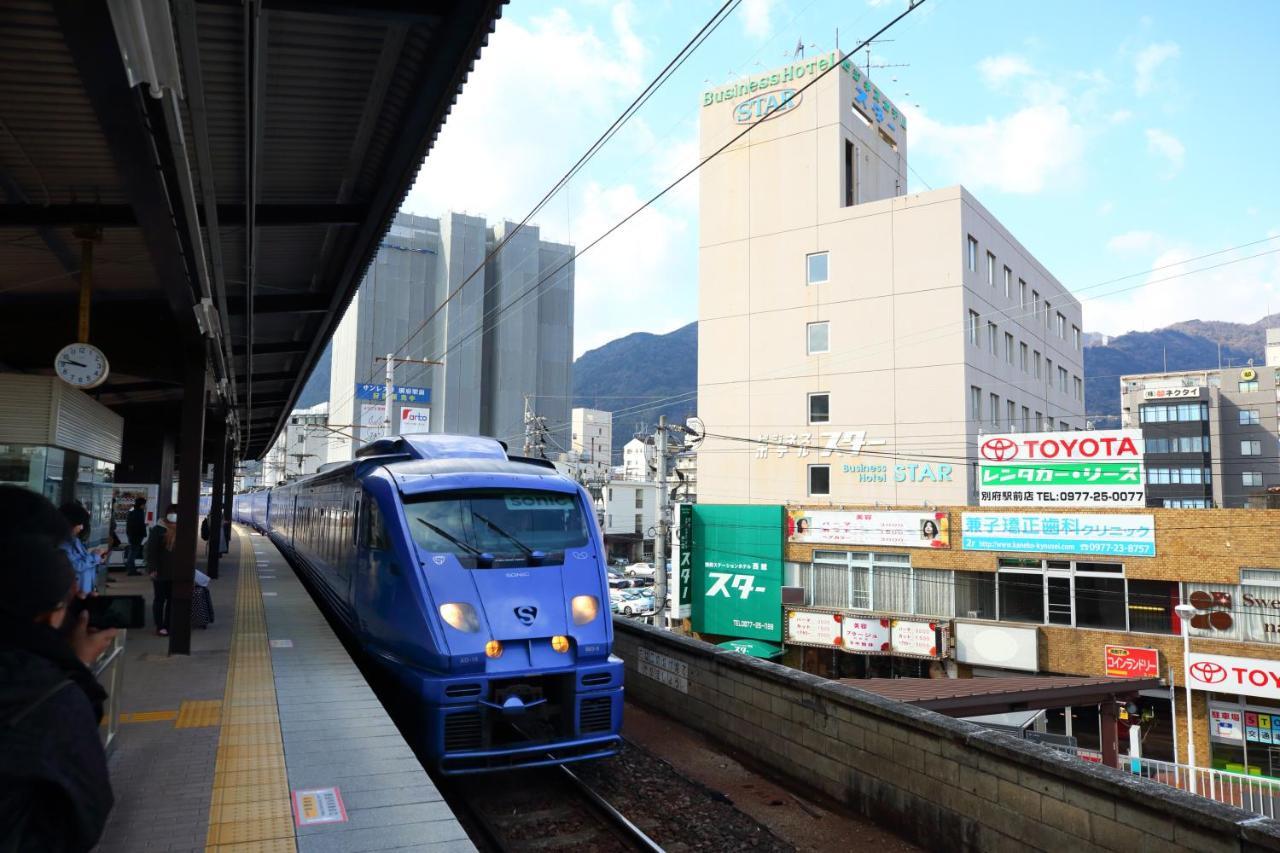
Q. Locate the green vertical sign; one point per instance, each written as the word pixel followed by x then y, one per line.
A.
pixel 686 554
pixel 737 570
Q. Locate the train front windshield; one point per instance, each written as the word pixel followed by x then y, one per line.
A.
pixel 486 528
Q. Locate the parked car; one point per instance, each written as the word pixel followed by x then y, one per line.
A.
pixel 616 583
pixel 640 569
pixel 636 603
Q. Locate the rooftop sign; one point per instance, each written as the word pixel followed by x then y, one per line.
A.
pixel 1100 468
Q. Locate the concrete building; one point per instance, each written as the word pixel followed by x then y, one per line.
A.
pixel 630 519
pixel 591 442
pixel 507 333
pixel 854 340
pixel 638 459
pixel 1210 436
pixel 301 448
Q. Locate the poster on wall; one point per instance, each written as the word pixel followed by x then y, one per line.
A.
pixel 372 421
pixel 1042 533
pixel 813 628
pixel 869 635
pixel 1098 468
pixel 915 639
pixel 875 528
pixel 1224 723
pixel 737 570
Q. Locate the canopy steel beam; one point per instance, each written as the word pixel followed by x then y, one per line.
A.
pixel 24 215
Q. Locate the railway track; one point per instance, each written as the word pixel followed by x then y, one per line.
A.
pixel 545 809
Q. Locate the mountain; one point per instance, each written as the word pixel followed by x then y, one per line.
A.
pixel 638 378
pixel 1189 345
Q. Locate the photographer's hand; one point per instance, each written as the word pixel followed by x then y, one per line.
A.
pixel 88 643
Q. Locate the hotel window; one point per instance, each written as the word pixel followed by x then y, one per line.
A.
pixel 973 255
pixel 1012 410
pixel 1248 385
pixel 1035 304
pixel 1008 283
pixel 992 336
pixel 975 404
pixel 1075 337
pixel 1062 327
pixel 1048 309
pixel 1008 347
pixel 1039 422
pixel 991 269
pixel 1062 379
pixel 819 480
pixel 819 337
pixel 1077 387
pixel 1048 424
pixel 1026 419
pixel 639 498
pixel 1022 356
pixel 1248 417
pixel 1036 359
pixel 1048 372
pixel 1251 478
pixel 1250 447
pixel 1022 293
pixel 817 267
pixel 850 174
pixel 819 408
pixel 973 328
pixel 995 411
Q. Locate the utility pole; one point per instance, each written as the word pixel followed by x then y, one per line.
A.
pixel 535 433
pixel 664 527
pixel 392 424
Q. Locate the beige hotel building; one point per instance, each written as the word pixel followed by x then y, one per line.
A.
pixel 856 339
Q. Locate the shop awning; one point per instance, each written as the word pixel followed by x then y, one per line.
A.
pixel 967 697
pixel 755 648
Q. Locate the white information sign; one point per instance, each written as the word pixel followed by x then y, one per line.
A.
pixel 919 639
pixel 1098 468
pixel 902 529
pixel 663 669
pixel 1225 674
pixel 811 628
pixel 318 805
pixel 868 635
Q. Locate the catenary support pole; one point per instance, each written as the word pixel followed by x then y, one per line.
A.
pixel 390 396
pixel 663 526
pixel 191 467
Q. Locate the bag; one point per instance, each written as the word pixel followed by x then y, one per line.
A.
pixel 204 528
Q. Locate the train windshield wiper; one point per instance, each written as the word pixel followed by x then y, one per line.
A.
pixel 528 552
pixel 470 549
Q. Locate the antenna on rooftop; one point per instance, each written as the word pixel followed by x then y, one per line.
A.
pixel 868 65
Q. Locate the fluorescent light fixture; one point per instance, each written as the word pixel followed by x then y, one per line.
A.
pixel 144 32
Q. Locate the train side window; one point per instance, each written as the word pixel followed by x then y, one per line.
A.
pixel 375 534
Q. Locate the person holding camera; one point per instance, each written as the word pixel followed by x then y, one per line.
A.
pixel 55 794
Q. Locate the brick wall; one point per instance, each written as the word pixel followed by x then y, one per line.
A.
pixel 1205 545
pixel 944 783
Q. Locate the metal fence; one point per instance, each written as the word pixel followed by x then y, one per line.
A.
pixel 1257 794
pixel 109 670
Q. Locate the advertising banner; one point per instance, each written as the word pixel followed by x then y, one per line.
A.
pixel 685 562
pixel 737 570
pixel 1129 662
pixel 834 527
pixel 866 634
pixel 1042 533
pixel 1225 674
pixel 813 628
pixel 985 644
pixel 404 394
pixel 915 639
pixel 1099 468
pixel 414 420
pixel 372 421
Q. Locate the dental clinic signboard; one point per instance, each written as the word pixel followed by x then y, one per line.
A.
pixel 736 555
pixel 1098 468
pixel 1100 534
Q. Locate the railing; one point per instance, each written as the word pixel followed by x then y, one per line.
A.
pixel 1257 794
pixel 109 670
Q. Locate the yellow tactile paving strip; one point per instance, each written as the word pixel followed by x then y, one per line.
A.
pixel 199 713
pixel 149 717
pixel 250 808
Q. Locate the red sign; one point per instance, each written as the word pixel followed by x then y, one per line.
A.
pixel 1128 662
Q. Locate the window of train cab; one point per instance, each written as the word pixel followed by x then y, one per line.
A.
pixel 374 538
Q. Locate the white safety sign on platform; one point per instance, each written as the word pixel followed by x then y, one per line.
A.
pixel 664 669
pixel 318 805
pixel 282 644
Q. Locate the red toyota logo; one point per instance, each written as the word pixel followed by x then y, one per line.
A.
pixel 1208 672
pixel 999 449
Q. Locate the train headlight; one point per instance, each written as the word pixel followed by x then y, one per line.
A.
pixel 560 643
pixel 493 649
pixel 585 609
pixel 460 616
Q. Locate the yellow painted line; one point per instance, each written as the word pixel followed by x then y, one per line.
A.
pixel 149 717
pixel 250 809
pixel 199 714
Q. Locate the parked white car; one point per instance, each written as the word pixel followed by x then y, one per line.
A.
pixel 643 570
pixel 634 602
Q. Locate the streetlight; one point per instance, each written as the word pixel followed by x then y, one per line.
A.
pixel 1185 613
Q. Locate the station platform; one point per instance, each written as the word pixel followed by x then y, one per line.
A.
pixel 266 738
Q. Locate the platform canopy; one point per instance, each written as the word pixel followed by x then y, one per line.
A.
pixel 224 170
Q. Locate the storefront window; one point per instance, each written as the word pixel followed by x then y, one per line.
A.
pixel 1151 606
pixel 1021 597
pixel 858 580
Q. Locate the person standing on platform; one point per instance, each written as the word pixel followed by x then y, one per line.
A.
pixel 135 530
pixel 55 794
pixel 160 567
pixel 85 562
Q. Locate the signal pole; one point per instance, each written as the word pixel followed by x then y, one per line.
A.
pixel 391 424
pixel 664 527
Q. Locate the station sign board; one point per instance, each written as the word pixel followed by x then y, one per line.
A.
pixel 1096 535
pixel 1098 468
pixel 736 551
pixel 1130 662
pixel 901 529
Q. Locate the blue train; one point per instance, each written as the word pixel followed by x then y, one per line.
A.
pixel 477 580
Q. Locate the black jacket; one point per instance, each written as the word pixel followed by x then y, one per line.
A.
pixel 159 558
pixel 135 525
pixel 54 791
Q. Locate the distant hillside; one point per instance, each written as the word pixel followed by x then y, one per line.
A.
pixel 629 375
pixel 1189 345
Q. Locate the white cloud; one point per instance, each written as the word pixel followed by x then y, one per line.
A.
pixel 755 18
pixel 1120 116
pixel 1147 64
pixel 1037 146
pixel 1106 208
pixel 1133 241
pixel 999 70
pixel 632 47
pixel 1169 147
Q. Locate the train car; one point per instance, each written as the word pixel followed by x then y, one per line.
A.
pixel 258 509
pixel 477 580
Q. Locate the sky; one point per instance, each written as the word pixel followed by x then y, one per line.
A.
pixel 1126 145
